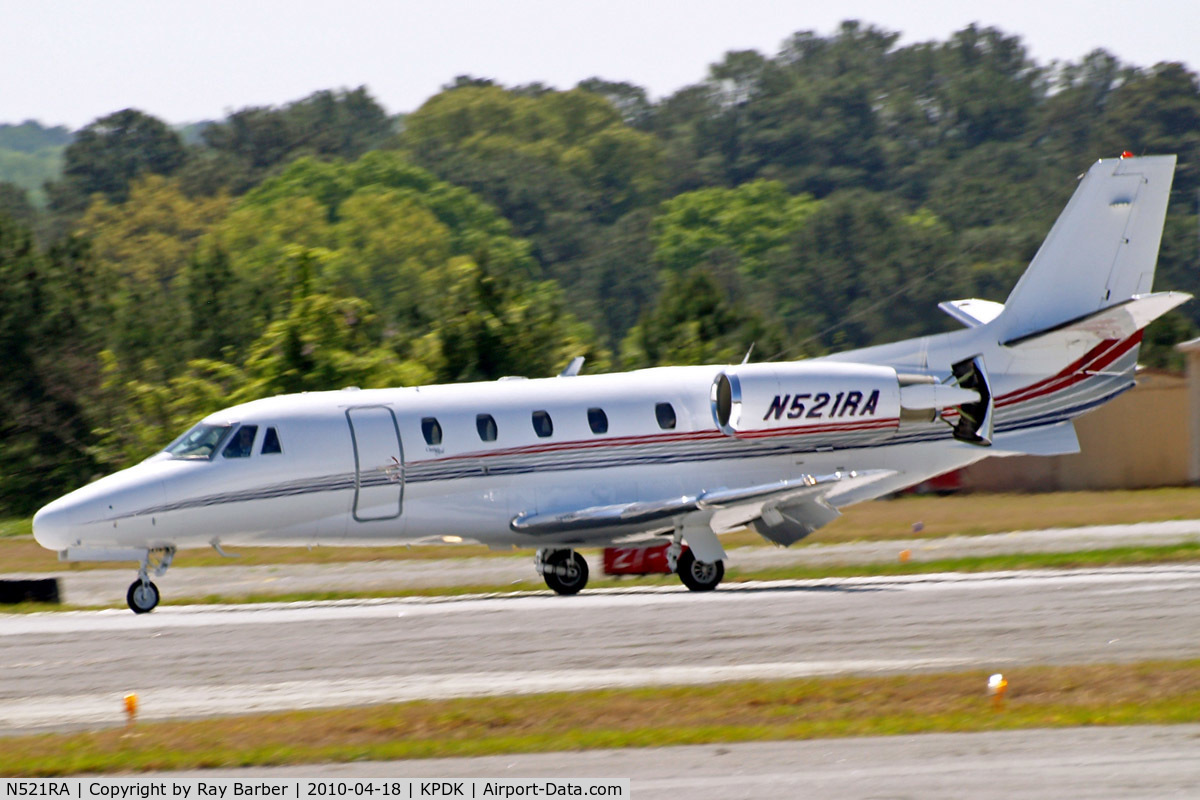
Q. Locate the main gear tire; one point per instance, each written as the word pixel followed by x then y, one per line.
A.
pixel 699 576
pixel 565 571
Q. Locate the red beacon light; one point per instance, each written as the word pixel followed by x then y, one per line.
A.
pixel 1126 154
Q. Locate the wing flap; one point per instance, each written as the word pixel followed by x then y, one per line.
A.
pixel 788 510
pixel 644 512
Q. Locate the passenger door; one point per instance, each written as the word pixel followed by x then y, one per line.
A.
pixel 378 463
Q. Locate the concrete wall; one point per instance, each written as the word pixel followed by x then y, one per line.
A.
pixel 1141 439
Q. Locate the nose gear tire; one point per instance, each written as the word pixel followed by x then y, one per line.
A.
pixel 142 596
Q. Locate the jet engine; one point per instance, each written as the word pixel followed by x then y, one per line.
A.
pixel 751 400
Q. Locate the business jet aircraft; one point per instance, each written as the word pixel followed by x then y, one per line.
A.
pixel 673 455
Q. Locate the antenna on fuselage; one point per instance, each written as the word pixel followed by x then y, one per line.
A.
pixel 746 360
pixel 572 369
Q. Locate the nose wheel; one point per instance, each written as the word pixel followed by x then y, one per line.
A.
pixel 142 596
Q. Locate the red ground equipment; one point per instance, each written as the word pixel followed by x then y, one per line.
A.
pixel 638 560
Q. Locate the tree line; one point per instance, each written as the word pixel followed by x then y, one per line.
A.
pixel 827 196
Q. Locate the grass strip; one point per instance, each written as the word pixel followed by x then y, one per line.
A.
pixel 1038 697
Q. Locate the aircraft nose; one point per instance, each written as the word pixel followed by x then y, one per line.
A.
pixel 52 525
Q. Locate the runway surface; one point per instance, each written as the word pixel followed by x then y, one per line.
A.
pixel 66 669
pixel 107 587
pixel 1096 763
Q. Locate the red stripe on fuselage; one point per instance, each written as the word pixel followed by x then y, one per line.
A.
pixel 1096 359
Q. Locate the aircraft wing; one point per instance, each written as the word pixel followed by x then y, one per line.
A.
pixel 779 510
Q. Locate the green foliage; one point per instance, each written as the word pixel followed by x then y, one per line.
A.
pixel 857 256
pixel 30 171
pixel 385 227
pixel 142 249
pixel 494 325
pixel 321 343
pixel 1159 340
pixel 30 155
pixel 32 137
pixel 14 204
pixel 751 222
pixel 695 323
pixel 241 150
pixel 107 155
pixel 45 333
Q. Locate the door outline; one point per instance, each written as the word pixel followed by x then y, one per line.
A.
pixel 358 466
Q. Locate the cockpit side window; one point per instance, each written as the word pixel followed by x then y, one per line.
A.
pixel 201 442
pixel 271 443
pixel 242 443
pixel 431 429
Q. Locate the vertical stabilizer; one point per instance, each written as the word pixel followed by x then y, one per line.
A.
pixel 1100 252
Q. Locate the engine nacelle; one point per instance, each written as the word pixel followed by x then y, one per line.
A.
pixel 827 395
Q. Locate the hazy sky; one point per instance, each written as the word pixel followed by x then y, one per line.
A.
pixel 70 61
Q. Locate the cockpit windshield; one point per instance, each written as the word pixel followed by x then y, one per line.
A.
pixel 200 442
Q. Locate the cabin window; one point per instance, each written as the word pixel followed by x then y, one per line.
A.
pixel 486 425
pixel 270 443
pixel 665 413
pixel 202 441
pixel 543 426
pixel 431 429
pixel 242 443
pixel 597 420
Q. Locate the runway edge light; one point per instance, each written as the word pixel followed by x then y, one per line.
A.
pixel 131 708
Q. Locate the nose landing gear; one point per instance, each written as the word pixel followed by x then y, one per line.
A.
pixel 143 596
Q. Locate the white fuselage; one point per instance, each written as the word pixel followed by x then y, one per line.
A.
pixel 347 474
pixel 688 451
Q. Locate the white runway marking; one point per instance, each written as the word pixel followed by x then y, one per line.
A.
pixel 197 701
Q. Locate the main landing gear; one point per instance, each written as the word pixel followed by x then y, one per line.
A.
pixel 143 595
pixel 564 571
pixel 699 576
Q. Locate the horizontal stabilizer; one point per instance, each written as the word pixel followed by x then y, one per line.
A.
pixel 1115 323
pixel 972 312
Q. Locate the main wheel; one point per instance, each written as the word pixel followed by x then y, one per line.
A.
pixel 699 576
pixel 142 597
pixel 565 571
